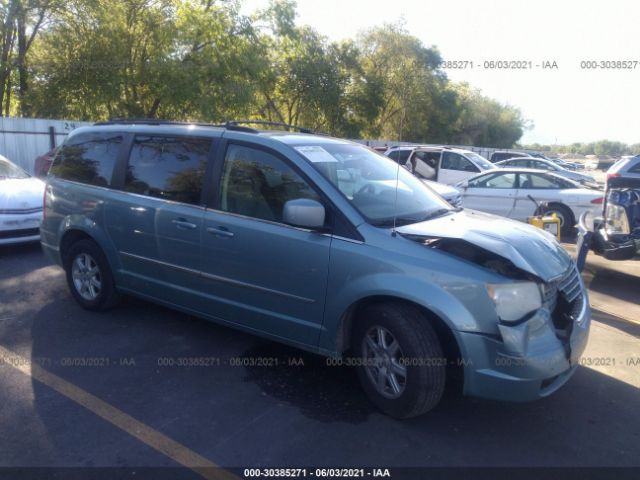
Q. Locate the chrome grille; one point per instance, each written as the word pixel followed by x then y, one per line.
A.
pixel 570 285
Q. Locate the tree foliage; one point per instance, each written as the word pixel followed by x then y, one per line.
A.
pixel 203 60
pixel 601 147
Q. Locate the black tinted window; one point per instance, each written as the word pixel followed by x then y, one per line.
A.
pixel 88 158
pixel 258 184
pixel 168 167
pixel 636 167
pixel 400 156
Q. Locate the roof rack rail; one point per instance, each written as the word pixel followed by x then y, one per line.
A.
pixel 155 121
pixel 273 124
pixel 230 124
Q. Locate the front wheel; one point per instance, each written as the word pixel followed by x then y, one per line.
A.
pixel 401 365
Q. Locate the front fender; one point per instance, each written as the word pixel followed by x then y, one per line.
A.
pixel 461 303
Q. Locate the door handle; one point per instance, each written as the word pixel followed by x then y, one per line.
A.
pixel 220 232
pixel 183 224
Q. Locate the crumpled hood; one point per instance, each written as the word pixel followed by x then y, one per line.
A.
pixel 528 248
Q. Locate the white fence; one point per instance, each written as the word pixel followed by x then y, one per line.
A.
pixel 24 139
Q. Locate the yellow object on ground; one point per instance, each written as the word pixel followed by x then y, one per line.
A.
pixel 549 223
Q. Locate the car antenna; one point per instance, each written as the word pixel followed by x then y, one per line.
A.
pixel 395 200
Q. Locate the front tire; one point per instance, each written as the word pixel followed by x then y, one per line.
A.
pixel 401 365
pixel 89 276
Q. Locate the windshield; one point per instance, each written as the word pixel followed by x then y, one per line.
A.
pixel 480 161
pixel 368 180
pixel 9 170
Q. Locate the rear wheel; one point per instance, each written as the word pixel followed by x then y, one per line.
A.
pixel 564 214
pixel 89 276
pixel 401 365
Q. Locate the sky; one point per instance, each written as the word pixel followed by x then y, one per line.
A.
pixel 567 104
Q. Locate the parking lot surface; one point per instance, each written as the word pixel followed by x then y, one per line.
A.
pixel 143 385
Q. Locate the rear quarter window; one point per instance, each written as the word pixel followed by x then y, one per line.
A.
pixel 88 158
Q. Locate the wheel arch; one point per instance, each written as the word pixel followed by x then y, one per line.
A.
pixel 73 231
pixel 446 334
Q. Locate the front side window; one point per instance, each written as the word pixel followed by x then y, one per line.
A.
pixel 480 161
pixel 453 161
pixel 168 167
pixel 494 180
pixel 88 158
pixel 376 186
pixel 257 184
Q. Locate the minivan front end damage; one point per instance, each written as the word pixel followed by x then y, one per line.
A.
pixel 535 354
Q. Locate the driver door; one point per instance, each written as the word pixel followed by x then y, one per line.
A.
pixel 492 193
pixel 259 272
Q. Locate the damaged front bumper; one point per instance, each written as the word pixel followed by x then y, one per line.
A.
pixel 624 248
pixel 533 359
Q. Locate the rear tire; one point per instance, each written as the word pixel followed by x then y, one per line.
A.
pixel 89 276
pixel 564 213
pixel 407 378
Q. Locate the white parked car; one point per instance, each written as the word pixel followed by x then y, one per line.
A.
pixel 20 204
pixel 543 164
pixel 449 193
pixel 509 192
pixel 440 164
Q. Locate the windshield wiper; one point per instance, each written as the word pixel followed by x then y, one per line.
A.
pixel 437 213
pixel 400 221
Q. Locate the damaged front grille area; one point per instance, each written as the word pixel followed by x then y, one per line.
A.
pixel 564 300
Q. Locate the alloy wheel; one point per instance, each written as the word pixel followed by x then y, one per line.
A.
pixel 86 276
pixel 383 362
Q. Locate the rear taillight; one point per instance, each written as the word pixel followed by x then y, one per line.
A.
pixel 612 175
pixel 598 201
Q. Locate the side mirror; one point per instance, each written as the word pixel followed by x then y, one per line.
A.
pixel 464 184
pixel 303 212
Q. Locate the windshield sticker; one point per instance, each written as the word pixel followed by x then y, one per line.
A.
pixel 316 154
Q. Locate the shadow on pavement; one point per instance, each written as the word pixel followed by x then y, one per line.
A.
pixel 224 408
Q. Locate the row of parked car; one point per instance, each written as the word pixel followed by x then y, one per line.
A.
pixel 513 187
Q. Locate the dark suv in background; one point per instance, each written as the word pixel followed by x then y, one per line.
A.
pixel 615 235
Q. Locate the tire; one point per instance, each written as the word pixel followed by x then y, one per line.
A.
pixel 89 276
pixel 424 365
pixel 564 213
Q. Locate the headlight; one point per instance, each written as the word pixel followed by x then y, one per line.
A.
pixel 514 300
pixel 616 220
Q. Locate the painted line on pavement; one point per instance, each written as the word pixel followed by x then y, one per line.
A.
pixel 125 422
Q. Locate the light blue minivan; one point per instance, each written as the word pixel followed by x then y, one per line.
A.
pixel 319 243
